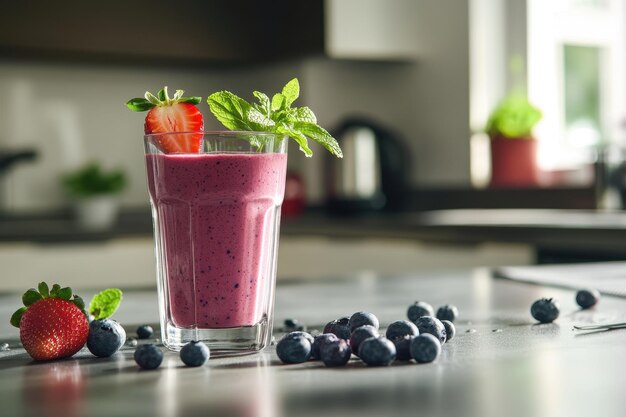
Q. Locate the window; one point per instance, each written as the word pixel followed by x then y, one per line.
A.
pixel 576 76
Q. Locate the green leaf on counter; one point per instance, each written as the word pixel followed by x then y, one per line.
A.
pixel 105 303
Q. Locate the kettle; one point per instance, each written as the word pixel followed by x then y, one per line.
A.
pixel 372 175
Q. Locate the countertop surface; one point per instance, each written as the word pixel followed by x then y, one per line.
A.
pixel 584 231
pixel 500 363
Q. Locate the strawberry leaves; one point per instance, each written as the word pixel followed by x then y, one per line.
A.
pixel 273 116
pixel 162 98
pixel 103 305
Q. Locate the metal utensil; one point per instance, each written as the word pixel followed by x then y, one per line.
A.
pixel 609 326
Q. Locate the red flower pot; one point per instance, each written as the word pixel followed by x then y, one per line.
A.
pixel 514 162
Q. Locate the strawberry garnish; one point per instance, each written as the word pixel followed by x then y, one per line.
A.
pixel 166 115
pixel 53 323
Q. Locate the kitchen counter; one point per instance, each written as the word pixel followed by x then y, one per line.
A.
pixel 500 363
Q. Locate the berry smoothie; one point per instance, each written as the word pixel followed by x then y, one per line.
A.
pixel 217 216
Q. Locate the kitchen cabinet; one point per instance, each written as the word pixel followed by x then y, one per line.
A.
pixel 208 32
pixel 128 262
pixel 371 29
pixel 147 31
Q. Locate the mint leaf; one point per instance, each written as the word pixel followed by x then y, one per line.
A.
pixel 264 105
pixel 291 91
pixel 300 139
pixel 320 135
pixel 17 317
pixel 31 296
pixel 105 303
pixel 278 102
pixel 230 110
pixel 302 114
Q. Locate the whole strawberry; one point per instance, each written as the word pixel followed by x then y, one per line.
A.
pixel 53 323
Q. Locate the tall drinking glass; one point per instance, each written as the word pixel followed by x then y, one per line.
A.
pixel 216 217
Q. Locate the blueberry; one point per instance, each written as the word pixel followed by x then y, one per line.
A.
pixel 362 318
pixel 587 298
pixel 399 329
pixel 431 325
pixel 425 348
pixel 292 324
pixel 335 353
pixel 148 356
pixel 403 347
pixel 448 312
pixel 377 351
pixel 294 347
pixel 545 310
pixel 450 329
pixel 419 309
pixel 105 337
pixel 319 341
pixel 338 328
pixel 306 335
pixel 360 334
pixel 145 332
pixel 195 354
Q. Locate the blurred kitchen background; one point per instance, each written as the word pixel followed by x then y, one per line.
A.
pixel 408 87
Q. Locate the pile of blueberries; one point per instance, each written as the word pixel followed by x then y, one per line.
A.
pixel 107 336
pixel 419 338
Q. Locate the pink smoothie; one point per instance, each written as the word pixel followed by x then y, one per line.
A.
pixel 217 215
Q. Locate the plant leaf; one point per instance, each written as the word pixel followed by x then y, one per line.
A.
pixel 192 100
pixel 161 94
pixel 264 103
pixel 300 139
pixel 105 303
pixel 291 91
pixel 31 296
pixel 151 98
pixel 139 104
pixel 17 317
pixel 43 289
pixel 65 293
pixel 320 135
pixel 278 102
pixel 55 290
pixel 79 302
pixel 230 110
pixel 302 114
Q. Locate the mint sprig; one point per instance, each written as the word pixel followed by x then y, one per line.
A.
pixel 273 115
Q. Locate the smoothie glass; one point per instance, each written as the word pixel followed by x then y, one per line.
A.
pixel 216 218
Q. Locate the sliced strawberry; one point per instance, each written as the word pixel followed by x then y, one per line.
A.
pixel 166 115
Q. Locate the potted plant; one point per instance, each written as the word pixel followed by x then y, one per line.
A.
pixel 513 146
pixel 94 193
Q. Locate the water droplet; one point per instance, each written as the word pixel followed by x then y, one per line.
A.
pixel 497 330
pixel 131 341
pixel 4 346
pixel 470 331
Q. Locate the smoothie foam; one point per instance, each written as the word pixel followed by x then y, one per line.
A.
pixel 216 213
